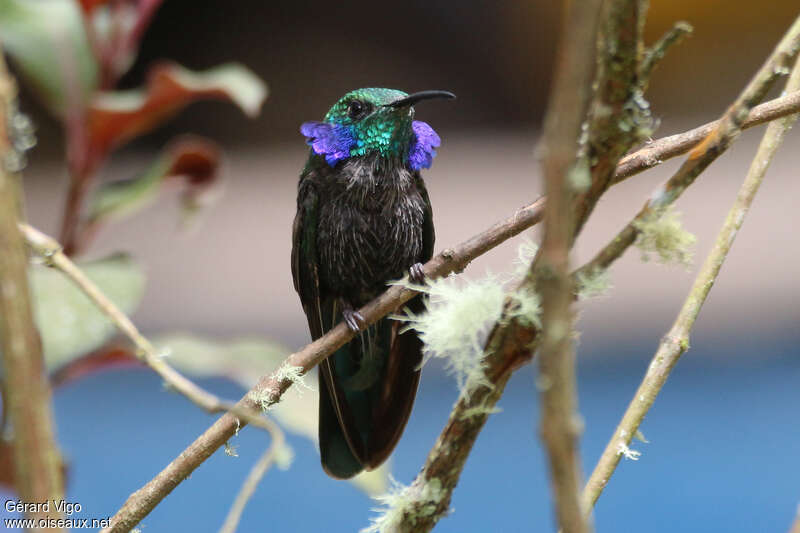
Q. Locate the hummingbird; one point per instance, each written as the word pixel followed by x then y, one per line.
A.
pixel 363 219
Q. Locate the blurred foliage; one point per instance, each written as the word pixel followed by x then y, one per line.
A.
pixel 192 160
pixel 69 323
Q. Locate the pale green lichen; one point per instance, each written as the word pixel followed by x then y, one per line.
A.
pixel 455 324
pixel 460 313
pixel 525 254
pixel 662 234
pixel 230 450
pixel 593 283
pixel 293 374
pixel 406 504
pixel 264 398
pixel 479 410
pixel 525 307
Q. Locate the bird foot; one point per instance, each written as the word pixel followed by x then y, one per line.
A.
pixel 416 273
pixel 354 320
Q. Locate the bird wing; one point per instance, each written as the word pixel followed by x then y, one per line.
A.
pixel 340 448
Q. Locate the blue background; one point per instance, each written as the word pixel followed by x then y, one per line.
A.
pixel 723 452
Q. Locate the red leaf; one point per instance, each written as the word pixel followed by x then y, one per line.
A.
pixel 116 117
pixel 105 358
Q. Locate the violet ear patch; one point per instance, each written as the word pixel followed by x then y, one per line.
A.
pixel 423 149
pixel 329 140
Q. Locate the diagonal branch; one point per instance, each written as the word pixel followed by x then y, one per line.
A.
pixel 676 342
pixel 50 250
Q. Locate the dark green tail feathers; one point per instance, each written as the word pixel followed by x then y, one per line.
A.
pixel 367 388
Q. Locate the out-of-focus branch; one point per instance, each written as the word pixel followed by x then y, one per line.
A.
pixel 676 342
pixel 37 462
pixel 50 250
pixel 796 524
pixel 254 477
pixel 549 273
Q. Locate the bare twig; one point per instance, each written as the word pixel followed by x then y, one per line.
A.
pixel 37 462
pixel 655 53
pixel 676 342
pixel 254 478
pixel 49 249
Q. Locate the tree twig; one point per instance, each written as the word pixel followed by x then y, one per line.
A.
pixel 254 478
pixel 36 460
pixel 655 53
pixel 676 342
pixel 50 250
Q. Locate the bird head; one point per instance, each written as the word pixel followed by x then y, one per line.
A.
pixel 369 121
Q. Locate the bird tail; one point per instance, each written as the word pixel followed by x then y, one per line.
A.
pixel 367 390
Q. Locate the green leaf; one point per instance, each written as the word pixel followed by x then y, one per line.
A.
pixel 244 361
pixel 194 159
pixel 47 41
pixel 69 323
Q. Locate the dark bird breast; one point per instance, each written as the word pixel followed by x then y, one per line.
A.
pixel 370 227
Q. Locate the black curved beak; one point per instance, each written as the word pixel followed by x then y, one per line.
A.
pixel 412 99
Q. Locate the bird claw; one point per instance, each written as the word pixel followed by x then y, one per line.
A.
pixel 353 319
pixel 416 273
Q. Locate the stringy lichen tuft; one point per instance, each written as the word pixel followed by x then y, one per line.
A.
pixel 293 374
pixel 406 504
pixel 455 325
pixel 662 234
pixel 591 284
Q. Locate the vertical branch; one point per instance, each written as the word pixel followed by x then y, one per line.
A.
pixel 569 100
pixel 676 342
pixel 37 464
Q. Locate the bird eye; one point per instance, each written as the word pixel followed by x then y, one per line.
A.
pixel 357 109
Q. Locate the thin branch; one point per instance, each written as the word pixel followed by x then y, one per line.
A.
pixel 50 250
pixel 676 342
pixel 658 151
pixel 254 478
pixel 506 353
pixel 36 460
pixel 656 52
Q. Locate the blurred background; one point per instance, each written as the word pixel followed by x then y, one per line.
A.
pixel 723 452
